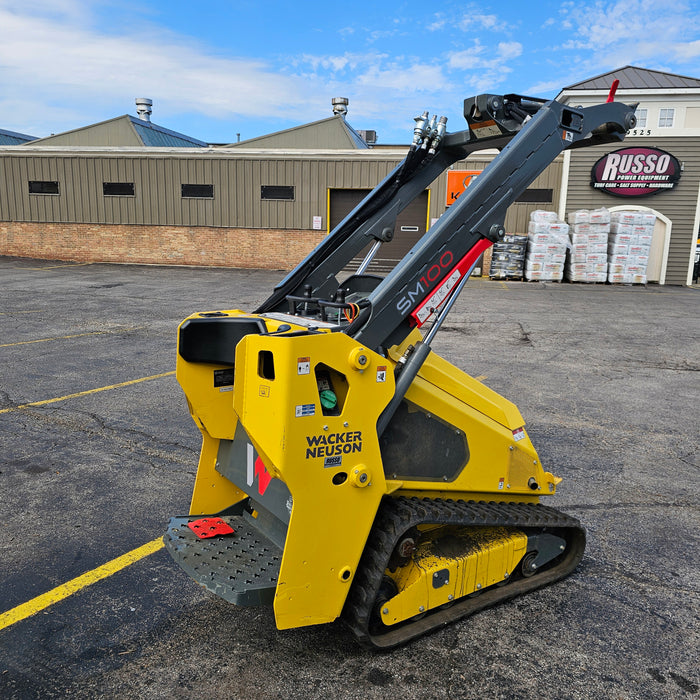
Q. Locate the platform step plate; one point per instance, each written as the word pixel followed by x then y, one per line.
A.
pixel 241 567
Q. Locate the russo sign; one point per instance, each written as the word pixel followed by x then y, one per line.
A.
pixel 636 171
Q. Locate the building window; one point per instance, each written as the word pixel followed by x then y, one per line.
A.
pixel 118 189
pixel 277 192
pixel 43 187
pixel 198 191
pixel 666 117
pixel 641 115
pixel 534 195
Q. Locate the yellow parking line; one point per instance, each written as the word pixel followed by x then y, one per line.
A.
pixel 12 313
pixel 46 340
pixel 65 590
pixel 480 378
pixel 85 393
pixel 53 267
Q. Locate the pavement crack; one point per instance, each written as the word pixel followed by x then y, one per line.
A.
pixel 641 579
pixel 617 506
pixel 130 438
pixel 462 330
pixel 524 338
pixel 683 366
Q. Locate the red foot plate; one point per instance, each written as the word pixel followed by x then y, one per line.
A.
pixel 209 527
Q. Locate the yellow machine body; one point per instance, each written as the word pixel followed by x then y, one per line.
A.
pixel 450 563
pixel 331 461
pixel 347 470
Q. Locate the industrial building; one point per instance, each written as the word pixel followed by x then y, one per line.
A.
pixel 127 190
pixel 668 120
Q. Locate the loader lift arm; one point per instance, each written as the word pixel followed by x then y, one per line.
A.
pixel 529 132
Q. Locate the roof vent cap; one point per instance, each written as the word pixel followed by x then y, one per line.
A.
pixel 340 105
pixel 143 108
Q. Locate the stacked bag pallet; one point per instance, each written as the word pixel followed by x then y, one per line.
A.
pixel 588 254
pixel 631 234
pixel 508 257
pixel 547 243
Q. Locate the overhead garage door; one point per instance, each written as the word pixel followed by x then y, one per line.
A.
pixel 410 226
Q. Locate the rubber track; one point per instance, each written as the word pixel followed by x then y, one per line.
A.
pixel 397 515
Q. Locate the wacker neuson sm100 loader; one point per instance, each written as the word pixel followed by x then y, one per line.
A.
pixel 347 470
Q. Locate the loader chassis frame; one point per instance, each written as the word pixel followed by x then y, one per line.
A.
pixel 365 477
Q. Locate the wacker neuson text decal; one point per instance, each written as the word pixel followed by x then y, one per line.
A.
pixel 334 445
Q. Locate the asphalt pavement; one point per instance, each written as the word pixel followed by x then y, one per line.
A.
pixel 98 451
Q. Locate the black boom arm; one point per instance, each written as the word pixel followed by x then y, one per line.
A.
pixel 530 132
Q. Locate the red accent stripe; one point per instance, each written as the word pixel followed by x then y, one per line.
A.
pixel 263 475
pixel 463 266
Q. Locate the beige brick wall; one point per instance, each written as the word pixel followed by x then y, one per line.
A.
pixel 161 245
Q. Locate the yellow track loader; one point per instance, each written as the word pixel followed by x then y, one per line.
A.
pixel 346 470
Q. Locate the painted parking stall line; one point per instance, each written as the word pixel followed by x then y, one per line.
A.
pixel 65 590
pixel 56 267
pixel 45 402
pixel 15 313
pixel 47 340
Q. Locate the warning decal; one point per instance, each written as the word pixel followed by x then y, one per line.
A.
pixel 519 434
pixel 485 129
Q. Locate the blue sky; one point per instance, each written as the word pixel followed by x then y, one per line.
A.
pixel 217 69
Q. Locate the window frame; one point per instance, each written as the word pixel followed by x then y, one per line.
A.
pixel 268 192
pixel 642 115
pixel 667 116
pixel 57 193
pixel 183 185
pixel 536 195
pixel 118 194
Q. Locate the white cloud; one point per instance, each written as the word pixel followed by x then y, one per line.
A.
pixel 688 51
pixel 373 79
pixel 632 31
pixel 485 68
pixel 62 57
pixel 467 59
pixel 416 77
pixel 598 36
pixel 74 11
pixel 380 34
pixel 470 21
pixel 508 50
pixel 334 64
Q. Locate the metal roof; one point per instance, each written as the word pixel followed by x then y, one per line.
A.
pixel 121 131
pixel 13 138
pixel 153 135
pixel 633 78
pixel 333 132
